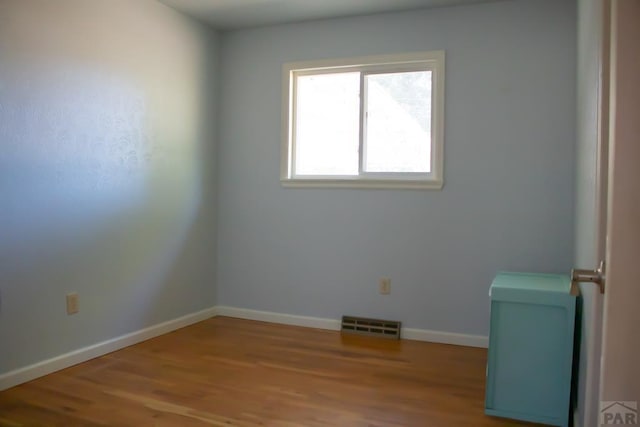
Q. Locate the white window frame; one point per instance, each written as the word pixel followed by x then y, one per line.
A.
pixel 418 61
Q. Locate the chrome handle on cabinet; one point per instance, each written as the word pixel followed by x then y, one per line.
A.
pixel 579 275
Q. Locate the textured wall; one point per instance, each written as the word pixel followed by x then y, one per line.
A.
pixel 507 202
pixel 107 171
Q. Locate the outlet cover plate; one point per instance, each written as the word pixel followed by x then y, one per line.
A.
pixel 72 303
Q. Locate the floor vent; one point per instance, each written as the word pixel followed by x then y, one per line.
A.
pixel 372 327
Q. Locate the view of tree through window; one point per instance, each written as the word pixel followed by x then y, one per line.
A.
pixel 398 122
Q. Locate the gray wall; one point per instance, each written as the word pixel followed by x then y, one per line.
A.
pixel 509 164
pixel 107 171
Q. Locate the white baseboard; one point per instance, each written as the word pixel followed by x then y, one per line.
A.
pixel 28 373
pixel 285 319
pixel 445 337
pixel 334 325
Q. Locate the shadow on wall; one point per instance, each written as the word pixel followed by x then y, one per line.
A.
pixel 80 175
pixel 105 169
pixel 78 165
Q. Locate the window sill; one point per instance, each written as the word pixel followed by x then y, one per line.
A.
pixel 363 183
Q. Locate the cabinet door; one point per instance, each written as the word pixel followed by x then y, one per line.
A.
pixel 530 353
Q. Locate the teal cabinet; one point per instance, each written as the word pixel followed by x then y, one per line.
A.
pixel 530 348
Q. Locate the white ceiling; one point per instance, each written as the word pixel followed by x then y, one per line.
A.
pixel 233 14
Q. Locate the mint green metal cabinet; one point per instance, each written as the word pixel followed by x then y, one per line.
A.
pixel 530 348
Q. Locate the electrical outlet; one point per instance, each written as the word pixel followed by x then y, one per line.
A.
pixel 72 303
pixel 385 286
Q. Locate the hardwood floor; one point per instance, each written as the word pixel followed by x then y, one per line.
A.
pixel 231 372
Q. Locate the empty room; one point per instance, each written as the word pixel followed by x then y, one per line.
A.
pixel 318 213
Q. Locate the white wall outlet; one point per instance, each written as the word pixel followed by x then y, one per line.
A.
pixel 72 303
pixel 385 286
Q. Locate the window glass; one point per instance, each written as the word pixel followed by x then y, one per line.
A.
pixel 398 122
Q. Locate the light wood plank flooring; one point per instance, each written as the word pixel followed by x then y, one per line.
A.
pixel 231 372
